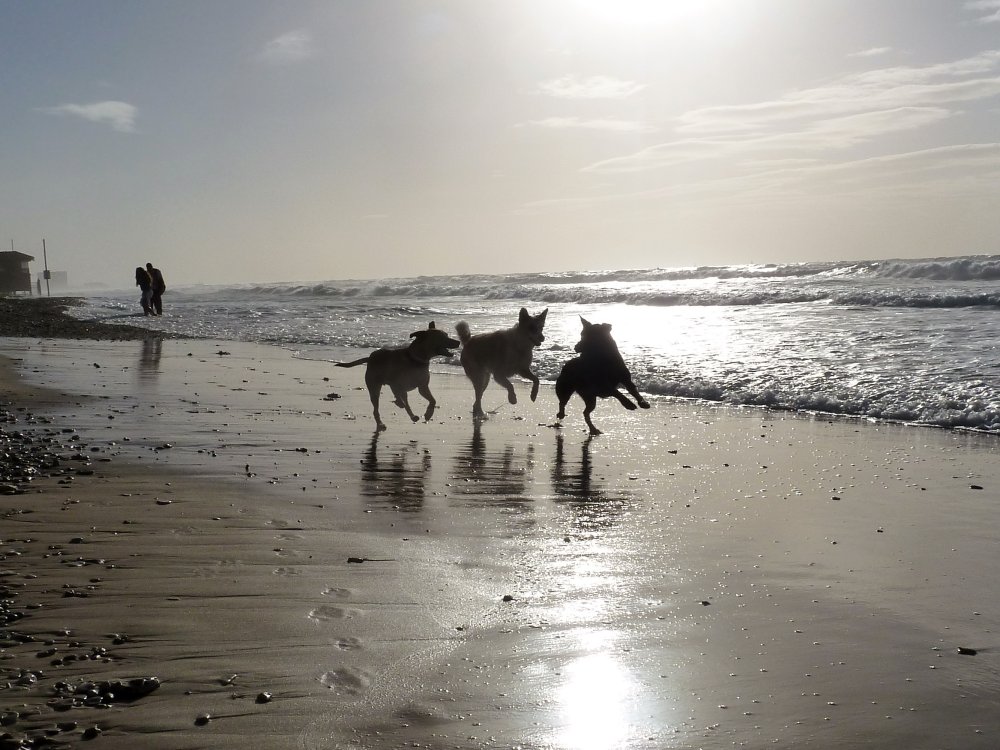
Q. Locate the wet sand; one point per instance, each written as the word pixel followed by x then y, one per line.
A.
pixel 695 577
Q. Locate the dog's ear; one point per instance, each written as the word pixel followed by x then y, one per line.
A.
pixel 523 315
pixel 585 323
pixel 542 314
pixel 431 326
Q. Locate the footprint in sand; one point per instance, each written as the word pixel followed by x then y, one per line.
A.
pixel 416 713
pixel 330 612
pixel 348 644
pixel 284 571
pixel 220 568
pixel 346 681
pixel 338 593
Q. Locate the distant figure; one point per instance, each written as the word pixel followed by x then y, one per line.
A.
pixel 159 287
pixel 145 283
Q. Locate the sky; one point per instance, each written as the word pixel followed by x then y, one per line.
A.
pixel 235 141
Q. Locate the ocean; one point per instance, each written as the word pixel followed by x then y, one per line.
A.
pixel 911 341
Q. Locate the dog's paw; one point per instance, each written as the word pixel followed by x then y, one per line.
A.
pixel 414 418
pixel 644 404
pixel 629 405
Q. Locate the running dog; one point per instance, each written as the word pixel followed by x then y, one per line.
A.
pixel 404 368
pixel 501 354
pixel 596 373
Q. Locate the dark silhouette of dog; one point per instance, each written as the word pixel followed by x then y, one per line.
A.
pixel 404 368
pixel 501 354
pixel 598 372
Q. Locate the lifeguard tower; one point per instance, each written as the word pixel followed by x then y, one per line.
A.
pixel 15 276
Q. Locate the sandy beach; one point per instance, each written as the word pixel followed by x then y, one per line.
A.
pixel 223 518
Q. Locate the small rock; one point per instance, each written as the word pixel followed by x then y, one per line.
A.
pixel 975 487
pixel 508 598
pixel 967 651
pixel 264 697
pixel 202 720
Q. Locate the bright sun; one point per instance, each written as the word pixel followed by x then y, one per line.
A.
pixel 697 17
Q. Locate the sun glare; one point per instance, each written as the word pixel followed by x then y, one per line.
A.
pixel 698 18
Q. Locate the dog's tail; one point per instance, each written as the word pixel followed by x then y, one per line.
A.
pixel 464 334
pixel 355 363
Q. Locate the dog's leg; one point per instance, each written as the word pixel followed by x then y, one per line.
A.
pixel 424 391
pixel 374 389
pixel 527 374
pixel 563 392
pixel 630 387
pixel 403 402
pixel 511 395
pixel 624 400
pixel 479 384
pixel 589 403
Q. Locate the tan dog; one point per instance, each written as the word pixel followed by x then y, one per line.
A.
pixel 501 354
pixel 597 373
pixel 404 368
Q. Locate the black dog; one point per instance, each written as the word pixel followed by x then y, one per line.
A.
pixel 596 373
pixel 404 368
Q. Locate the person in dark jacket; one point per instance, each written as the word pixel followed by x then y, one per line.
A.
pixel 145 283
pixel 159 287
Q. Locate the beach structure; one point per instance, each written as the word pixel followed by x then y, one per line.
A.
pixel 15 276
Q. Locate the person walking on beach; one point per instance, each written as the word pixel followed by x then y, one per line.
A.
pixel 159 287
pixel 145 283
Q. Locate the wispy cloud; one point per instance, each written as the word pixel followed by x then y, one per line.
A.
pixel 873 52
pixel 119 115
pixel 947 171
pixel 288 48
pixel 847 111
pixel 991 7
pixel 826 139
pixel 605 124
pixel 595 87
pixel 821 136
pixel 885 88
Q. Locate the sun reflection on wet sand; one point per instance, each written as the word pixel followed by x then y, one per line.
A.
pixel 592 703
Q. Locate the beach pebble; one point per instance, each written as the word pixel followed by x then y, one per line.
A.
pixel 264 697
pixel 91 732
pixel 202 720
pixel 508 597
pixel 967 651
pixel 975 487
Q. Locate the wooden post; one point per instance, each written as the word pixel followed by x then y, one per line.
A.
pixel 45 258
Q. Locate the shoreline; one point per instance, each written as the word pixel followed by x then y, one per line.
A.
pixel 45 317
pixel 697 576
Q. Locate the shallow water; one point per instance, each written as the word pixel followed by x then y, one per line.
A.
pixel 912 341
